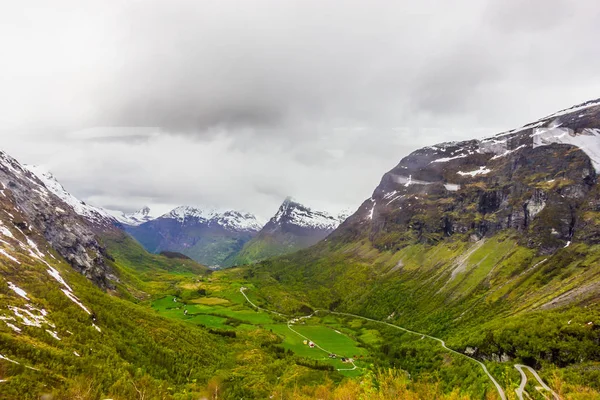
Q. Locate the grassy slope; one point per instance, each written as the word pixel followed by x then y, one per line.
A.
pixel 482 295
pixel 210 247
pixel 265 246
pixel 134 348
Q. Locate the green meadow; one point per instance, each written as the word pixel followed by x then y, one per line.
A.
pixel 218 304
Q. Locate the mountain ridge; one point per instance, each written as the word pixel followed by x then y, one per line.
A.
pixel 293 227
pixel 472 241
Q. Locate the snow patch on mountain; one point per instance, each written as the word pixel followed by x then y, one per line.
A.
pixel 91 213
pixel 135 218
pixel 587 140
pixel 294 213
pixel 229 219
pixel 481 171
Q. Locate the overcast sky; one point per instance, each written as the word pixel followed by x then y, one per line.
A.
pixel 238 104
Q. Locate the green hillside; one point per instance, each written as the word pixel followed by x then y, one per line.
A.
pixel 493 299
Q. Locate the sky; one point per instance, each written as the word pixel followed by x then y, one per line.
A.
pixel 238 104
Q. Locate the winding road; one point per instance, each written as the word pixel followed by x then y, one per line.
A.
pixel 498 387
pixel 519 391
pixel 290 322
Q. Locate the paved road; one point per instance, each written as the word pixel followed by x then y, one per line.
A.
pixel 289 323
pixel 482 365
pixel 521 389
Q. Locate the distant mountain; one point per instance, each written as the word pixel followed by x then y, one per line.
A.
pixel 293 227
pixel 135 218
pixel 208 236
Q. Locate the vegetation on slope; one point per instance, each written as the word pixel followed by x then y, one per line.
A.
pixel 480 296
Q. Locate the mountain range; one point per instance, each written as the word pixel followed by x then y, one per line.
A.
pixel 470 260
pixel 226 238
pixel 209 236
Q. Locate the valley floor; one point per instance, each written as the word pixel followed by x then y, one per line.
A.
pixel 225 302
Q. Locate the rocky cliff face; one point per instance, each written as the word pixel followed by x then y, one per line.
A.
pixel 540 180
pixel 29 206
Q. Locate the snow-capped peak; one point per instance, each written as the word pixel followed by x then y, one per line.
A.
pixel 91 213
pixel 229 219
pixel 135 218
pixel 292 212
pixel 183 213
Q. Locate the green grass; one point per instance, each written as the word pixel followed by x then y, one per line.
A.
pixel 167 307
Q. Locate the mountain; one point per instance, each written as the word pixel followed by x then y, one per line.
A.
pixel 207 236
pixel 63 312
pixel 492 244
pixel 293 227
pixel 93 214
pixel 539 180
pixel 135 218
pixel 96 215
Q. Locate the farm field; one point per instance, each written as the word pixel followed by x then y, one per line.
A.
pixel 226 309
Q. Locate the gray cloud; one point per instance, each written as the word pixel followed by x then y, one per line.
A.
pixel 241 103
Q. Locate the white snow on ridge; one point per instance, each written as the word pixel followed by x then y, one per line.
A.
pixel 300 215
pixel 481 171
pixel 574 109
pixel 5 231
pixel 238 221
pixel 182 213
pixel 2 357
pixel 408 180
pixel 28 318
pixel 4 253
pixel 229 219
pixel 95 214
pixel 56 275
pixel 53 334
pixel 370 216
pixel 446 159
pixel 133 219
pixel 452 187
pixel 507 152
pixel 588 141
pixel 75 300
pixel 18 290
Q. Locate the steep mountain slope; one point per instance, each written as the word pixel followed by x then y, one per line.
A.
pixel 30 207
pixel 539 180
pixel 95 215
pixel 207 236
pixel 293 227
pixel 58 327
pixel 491 244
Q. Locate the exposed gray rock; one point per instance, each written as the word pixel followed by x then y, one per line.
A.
pixel 40 211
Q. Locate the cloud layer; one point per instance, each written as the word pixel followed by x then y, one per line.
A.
pixel 240 103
